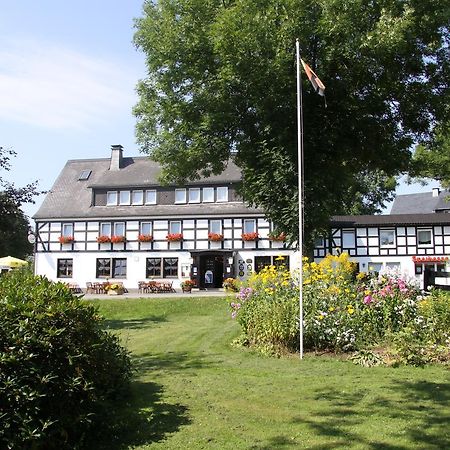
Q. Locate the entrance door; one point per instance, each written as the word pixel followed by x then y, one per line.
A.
pixel 211 271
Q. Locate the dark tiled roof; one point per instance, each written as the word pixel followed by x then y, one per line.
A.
pixel 422 203
pixel 391 220
pixel 71 198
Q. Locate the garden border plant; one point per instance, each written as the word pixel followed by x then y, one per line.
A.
pixel 60 372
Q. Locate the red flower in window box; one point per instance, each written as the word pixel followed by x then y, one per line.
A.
pixel 174 237
pixel 117 239
pixel 277 237
pixel 103 239
pixel 215 237
pixel 250 236
pixel 145 238
pixel 66 239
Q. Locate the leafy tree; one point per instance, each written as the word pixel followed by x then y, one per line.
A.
pixel 13 223
pixel 221 83
pixel 433 161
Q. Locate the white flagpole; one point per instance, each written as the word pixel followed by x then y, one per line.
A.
pixel 300 190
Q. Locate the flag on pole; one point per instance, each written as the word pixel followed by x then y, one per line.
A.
pixel 315 81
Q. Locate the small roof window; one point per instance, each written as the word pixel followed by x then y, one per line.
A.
pixel 85 174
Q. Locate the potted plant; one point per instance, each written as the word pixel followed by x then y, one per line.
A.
pixel 114 288
pixel 117 239
pixel 230 285
pixel 250 236
pixel 174 237
pixel 66 239
pixel 145 238
pixel 187 285
pixel 103 239
pixel 277 237
pixel 215 237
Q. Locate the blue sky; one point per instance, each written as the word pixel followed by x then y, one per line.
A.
pixel 68 72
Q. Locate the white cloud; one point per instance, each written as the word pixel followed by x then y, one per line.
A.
pixel 54 87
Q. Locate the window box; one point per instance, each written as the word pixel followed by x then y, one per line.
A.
pixel 103 239
pixel 117 239
pixel 215 237
pixel 66 239
pixel 145 238
pixel 250 236
pixel 174 237
pixel 277 237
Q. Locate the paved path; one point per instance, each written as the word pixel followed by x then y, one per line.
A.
pixel 135 294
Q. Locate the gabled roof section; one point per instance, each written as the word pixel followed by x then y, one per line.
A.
pixel 71 198
pixel 390 220
pixel 422 203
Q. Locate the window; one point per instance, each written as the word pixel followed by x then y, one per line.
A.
pixel 105 229
pixel 150 197
pixel 153 267
pixel 249 226
pixel 111 198
pixel 424 237
pixel 67 229
pixel 208 195
pixel 215 226
pixel 222 194
pixel 393 265
pixel 161 267
pixel 119 229
pixel 124 198
pixel 170 266
pixel 146 228
pixel 65 268
pixel 111 268
pixel 84 175
pixel 180 195
pixel 348 239
pixel 375 267
pixel 137 197
pixel 264 261
pixel 319 242
pixel 194 195
pixel 387 238
pixel 175 227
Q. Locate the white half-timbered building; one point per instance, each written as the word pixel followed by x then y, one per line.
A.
pixel 111 219
pixel 414 236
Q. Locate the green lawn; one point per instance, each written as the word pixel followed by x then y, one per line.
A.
pixel 194 391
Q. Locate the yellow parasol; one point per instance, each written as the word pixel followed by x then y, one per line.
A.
pixel 10 261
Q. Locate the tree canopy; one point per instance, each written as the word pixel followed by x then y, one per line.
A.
pixel 13 222
pixel 221 83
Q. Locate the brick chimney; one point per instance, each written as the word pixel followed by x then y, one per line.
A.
pixel 116 157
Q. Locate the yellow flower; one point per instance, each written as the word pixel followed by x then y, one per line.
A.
pixel 331 309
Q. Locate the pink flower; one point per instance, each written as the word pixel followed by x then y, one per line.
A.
pixel 368 299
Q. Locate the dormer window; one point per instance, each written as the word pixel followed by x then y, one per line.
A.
pixel 180 195
pixel 150 197
pixel 137 197
pixel 222 194
pixel 124 198
pixel 194 195
pixel 111 198
pixel 208 195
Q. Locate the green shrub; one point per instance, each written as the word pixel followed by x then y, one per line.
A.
pixel 60 372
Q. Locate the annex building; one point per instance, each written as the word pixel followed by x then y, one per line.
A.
pixel 111 219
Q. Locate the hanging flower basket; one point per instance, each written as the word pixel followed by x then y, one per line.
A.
pixel 174 237
pixel 117 239
pixel 250 236
pixel 277 237
pixel 145 238
pixel 103 239
pixel 66 239
pixel 215 237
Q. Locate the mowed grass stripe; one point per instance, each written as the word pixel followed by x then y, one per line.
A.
pixel 194 390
